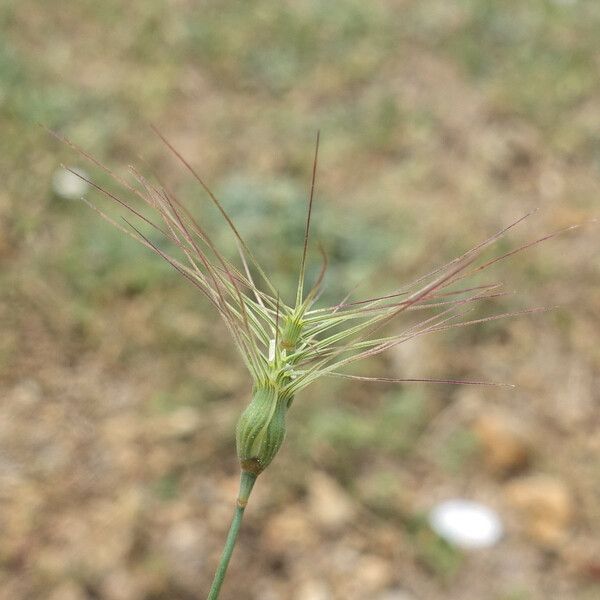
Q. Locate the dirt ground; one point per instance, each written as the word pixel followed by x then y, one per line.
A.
pixel 441 123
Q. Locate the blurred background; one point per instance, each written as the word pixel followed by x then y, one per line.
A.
pixel 441 123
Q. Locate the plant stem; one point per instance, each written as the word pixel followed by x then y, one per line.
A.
pixel 246 484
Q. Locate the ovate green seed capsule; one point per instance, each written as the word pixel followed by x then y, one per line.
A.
pixel 261 429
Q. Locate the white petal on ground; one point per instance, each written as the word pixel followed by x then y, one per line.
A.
pixel 68 185
pixel 466 524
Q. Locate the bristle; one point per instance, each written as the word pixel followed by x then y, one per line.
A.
pixel 318 316
pixel 520 249
pixel 307 227
pixel 328 338
pixel 475 250
pixel 420 380
pixel 277 325
pixel 117 200
pixel 311 296
pixel 218 204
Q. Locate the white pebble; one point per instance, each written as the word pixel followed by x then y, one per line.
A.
pixel 68 185
pixel 466 524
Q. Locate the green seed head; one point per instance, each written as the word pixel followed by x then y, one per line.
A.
pixel 285 345
pixel 261 429
pixel 291 332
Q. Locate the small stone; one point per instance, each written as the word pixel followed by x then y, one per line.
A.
pixel 70 184
pixel 545 505
pixel 466 524
pixel 504 443
pixel 329 503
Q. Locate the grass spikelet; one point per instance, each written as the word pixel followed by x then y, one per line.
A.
pixel 288 346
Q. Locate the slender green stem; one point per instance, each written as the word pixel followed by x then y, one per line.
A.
pixel 246 484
